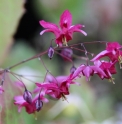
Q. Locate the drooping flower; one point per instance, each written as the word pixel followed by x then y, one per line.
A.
pixel 112 51
pixel 57 87
pixel 32 107
pixel 66 30
pixel 87 71
pixel 108 68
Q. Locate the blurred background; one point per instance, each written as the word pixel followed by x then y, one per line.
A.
pixel 94 102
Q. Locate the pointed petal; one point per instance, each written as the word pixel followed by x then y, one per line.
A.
pixel 87 72
pixel 99 71
pixel 65 19
pixel 77 72
pixel 76 28
pixel 100 55
pixel 50 27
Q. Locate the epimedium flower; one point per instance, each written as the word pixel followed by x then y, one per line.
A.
pixel 32 107
pixel 66 30
pixel 112 51
pixel 87 71
pixel 57 87
pixel 108 68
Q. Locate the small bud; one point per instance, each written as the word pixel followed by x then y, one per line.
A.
pixel 50 52
pixel 27 96
pixel 39 104
pixel 72 70
pixel 67 52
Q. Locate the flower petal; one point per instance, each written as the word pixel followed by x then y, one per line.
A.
pixel 76 28
pixel 100 55
pixel 65 19
pixel 50 27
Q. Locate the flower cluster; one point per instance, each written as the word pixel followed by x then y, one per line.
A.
pixel 59 86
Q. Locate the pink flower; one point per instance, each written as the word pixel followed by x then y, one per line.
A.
pixel 87 71
pixel 108 68
pixel 1 89
pixel 57 87
pixel 112 51
pixel 32 107
pixel 66 30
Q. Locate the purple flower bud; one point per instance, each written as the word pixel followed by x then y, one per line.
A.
pixel 72 70
pixel 27 96
pixel 39 104
pixel 67 52
pixel 50 52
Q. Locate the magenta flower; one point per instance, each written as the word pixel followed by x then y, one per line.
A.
pixel 112 51
pixel 32 107
pixel 87 71
pixel 66 30
pixel 108 68
pixel 57 87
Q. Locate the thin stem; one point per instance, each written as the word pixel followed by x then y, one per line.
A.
pixel 23 77
pixel 65 57
pixel 27 75
pixel 45 76
pixel 80 49
pixel 86 53
pixel 34 57
pixel 47 70
pixel 92 42
pixel 43 64
pixel 3 77
pixel 18 79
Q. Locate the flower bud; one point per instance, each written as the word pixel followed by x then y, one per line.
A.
pixel 27 96
pixel 50 52
pixel 39 104
pixel 72 70
pixel 67 52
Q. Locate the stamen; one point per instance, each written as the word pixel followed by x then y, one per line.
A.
pixel 112 80
pixel 64 97
pixel 35 116
pixel 64 41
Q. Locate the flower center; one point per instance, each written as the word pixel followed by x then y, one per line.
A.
pixel 64 41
